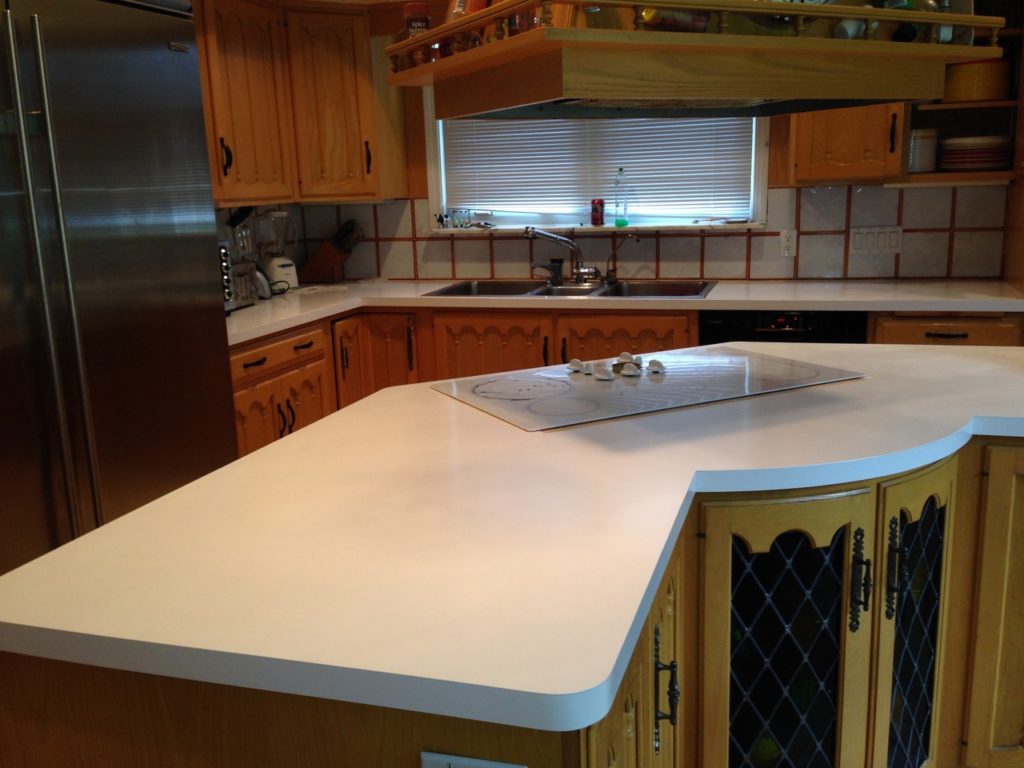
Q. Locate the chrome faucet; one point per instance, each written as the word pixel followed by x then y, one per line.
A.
pixel 580 272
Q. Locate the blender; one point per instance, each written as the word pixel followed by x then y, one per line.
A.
pixel 275 231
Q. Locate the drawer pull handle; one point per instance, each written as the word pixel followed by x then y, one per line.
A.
pixel 860 581
pixel 255 363
pixel 946 335
pixel 305 345
pixel 673 691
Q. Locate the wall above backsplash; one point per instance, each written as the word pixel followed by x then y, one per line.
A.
pixel 947 232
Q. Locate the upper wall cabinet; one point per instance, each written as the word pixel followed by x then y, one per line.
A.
pixel 342 118
pixel 848 144
pixel 295 110
pixel 247 101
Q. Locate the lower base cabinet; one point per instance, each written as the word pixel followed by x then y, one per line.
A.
pixel 871 624
pixel 280 386
pixel 373 351
pixel 995 329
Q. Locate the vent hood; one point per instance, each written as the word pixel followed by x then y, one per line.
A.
pixel 752 60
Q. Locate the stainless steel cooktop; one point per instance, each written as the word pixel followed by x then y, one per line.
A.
pixel 556 396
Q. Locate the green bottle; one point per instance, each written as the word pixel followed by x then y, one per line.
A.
pixel 621 199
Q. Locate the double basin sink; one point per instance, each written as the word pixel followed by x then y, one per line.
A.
pixel 662 289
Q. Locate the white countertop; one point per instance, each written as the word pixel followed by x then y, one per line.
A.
pixel 313 303
pixel 411 551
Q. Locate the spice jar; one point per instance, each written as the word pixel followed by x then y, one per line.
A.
pixel 417 18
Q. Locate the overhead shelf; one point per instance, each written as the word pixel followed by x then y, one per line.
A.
pixel 475 66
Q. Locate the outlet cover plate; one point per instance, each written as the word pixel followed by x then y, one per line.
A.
pixel 437 760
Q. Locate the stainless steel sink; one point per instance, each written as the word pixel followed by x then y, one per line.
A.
pixel 490 288
pixel 564 290
pixel 663 289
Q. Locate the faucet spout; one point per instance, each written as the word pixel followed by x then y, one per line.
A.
pixel 580 272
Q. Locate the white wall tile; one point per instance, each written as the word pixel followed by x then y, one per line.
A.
pixel 977 254
pixel 873 206
pixel 821 255
pixel 927 207
pixel 636 259
pixel 424 221
pixel 511 258
pixel 767 259
pixel 725 257
pixel 361 214
pixel 434 258
pixel 872 265
pixel 781 209
pixel 980 206
pixel 361 264
pixel 472 258
pixel 394 219
pixel 396 260
pixel 679 257
pixel 924 254
pixel 320 221
pixel 822 208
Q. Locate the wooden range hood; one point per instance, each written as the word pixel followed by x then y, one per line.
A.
pixel 563 71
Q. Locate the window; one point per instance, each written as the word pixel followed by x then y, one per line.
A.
pixel 683 172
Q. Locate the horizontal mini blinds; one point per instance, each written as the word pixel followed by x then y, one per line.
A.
pixel 679 169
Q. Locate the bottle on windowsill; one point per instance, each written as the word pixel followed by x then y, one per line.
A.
pixel 621 199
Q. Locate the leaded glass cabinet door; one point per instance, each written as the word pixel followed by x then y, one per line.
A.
pixel 787 630
pixel 914 540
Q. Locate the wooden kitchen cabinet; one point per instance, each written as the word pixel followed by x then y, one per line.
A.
pixel 831 627
pixel 247 101
pixel 995 729
pixel 854 143
pixel 280 386
pixel 478 343
pixel 374 351
pixel 349 133
pixel 996 329
pixel 589 337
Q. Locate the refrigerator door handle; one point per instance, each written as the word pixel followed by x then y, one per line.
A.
pixel 62 237
pixel 21 132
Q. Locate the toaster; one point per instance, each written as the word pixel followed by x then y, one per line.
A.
pixel 238 279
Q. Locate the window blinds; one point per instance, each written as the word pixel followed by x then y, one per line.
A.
pixel 681 170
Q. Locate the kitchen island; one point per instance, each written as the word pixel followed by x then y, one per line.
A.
pixel 412 553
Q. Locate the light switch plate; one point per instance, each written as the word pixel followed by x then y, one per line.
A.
pixel 437 760
pixel 875 240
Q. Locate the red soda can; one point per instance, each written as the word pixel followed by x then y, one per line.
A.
pixel 597 212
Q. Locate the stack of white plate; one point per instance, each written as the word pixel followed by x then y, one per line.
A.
pixel 976 153
pixel 924 143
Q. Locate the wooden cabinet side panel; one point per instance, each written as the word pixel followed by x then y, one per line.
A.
pixel 57 714
pixel 995 732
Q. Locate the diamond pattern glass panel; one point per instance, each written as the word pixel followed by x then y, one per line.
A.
pixel 917 623
pixel 786 629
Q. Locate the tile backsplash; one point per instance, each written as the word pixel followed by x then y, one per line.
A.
pixel 947 232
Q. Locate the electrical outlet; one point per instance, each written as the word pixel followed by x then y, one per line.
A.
pixel 436 760
pixel 787 243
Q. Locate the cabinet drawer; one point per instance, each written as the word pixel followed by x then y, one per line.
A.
pixel 979 331
pixel 289 351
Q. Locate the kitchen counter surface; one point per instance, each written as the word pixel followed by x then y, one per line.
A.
pixel 411 551
pixel 313 303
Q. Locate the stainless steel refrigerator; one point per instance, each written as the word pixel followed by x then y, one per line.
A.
pixel 114 372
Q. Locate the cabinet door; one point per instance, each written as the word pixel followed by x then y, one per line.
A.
pixel 389 351
pixel 332 84
pixel 996 709
pixel 983 331
pixel 251 134
pixel 613 742
pixel 305 392
pixel 475 344
pixel 348 361
pixel 787 630
pixel 259 416
pixel 659 715
pixel 913 545
pixel 850 143
pixel 590 337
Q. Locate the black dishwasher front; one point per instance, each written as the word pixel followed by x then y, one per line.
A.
pixel 721 325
